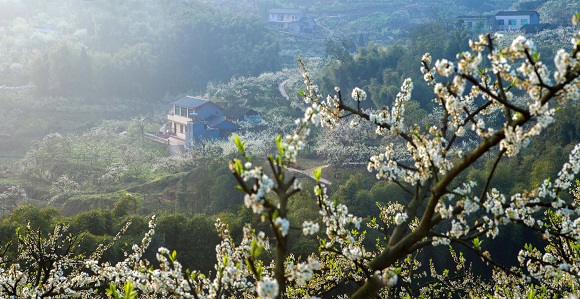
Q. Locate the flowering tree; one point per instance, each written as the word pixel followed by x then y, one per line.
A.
pixel 11 197
pixel 475 97
pixel 444 209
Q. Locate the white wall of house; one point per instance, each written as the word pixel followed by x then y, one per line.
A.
pixel 179 129
pixel 285 15
pixel 512 22
pixel 515 20
pixel 178 122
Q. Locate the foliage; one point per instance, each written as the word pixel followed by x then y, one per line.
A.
pixel 99 157
pixel 443 209
pixel 106 49
pixel 557 11
pixel 490 105
pixel 377 68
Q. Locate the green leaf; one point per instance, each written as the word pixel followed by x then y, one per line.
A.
pixel 193 275
pixel 112 290
pixel 173 256
pixel 531 293
pixel 253 247
pixel 239 144
pixel 477 243
pixel 279 145
pixel 317 173
pixel 248 263
pixel 239 167
pixel 130 293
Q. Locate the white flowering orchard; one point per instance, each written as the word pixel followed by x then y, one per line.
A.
pixel 470 93
pixel 475 95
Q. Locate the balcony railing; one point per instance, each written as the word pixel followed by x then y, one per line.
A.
pixel 178 118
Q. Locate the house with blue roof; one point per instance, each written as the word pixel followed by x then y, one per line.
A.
pixel 193 120
pixel 294 20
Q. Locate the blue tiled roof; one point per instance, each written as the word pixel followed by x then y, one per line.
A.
pixel 516 13
pixel 285 10
pixel 225 124
pixel 212 120
pixel 215 121
pixel 190 102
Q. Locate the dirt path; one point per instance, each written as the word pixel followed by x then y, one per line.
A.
pixel 27 86
pixel 176 146
pixel 282 89
pixel 329 32
pixel 308 172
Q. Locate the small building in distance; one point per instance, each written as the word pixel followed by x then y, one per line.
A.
pixel 477 24
pixel 294 20
pixel 513 20
pixel 193 120
pixel 503 20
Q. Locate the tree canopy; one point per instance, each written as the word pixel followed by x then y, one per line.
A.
pixel 490 104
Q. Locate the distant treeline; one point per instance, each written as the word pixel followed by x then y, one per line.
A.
pixel 143 49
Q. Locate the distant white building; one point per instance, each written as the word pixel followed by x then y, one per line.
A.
pixel 290 19
pixel 478 24
pixel 503 20
pixel 513 20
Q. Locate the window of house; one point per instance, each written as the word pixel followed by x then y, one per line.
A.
pixel 524 21
pixel 176 110
pixel 469 24
pixel 500 22
pixel 180 128
pixel 512 22
pixel 183 111
pixel 293 17
pixel 189 112
pixel 280 18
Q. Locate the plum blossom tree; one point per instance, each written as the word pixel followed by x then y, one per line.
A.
pixel 474 95
pixel 63 188
pixel 444 209
pixel 10 198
